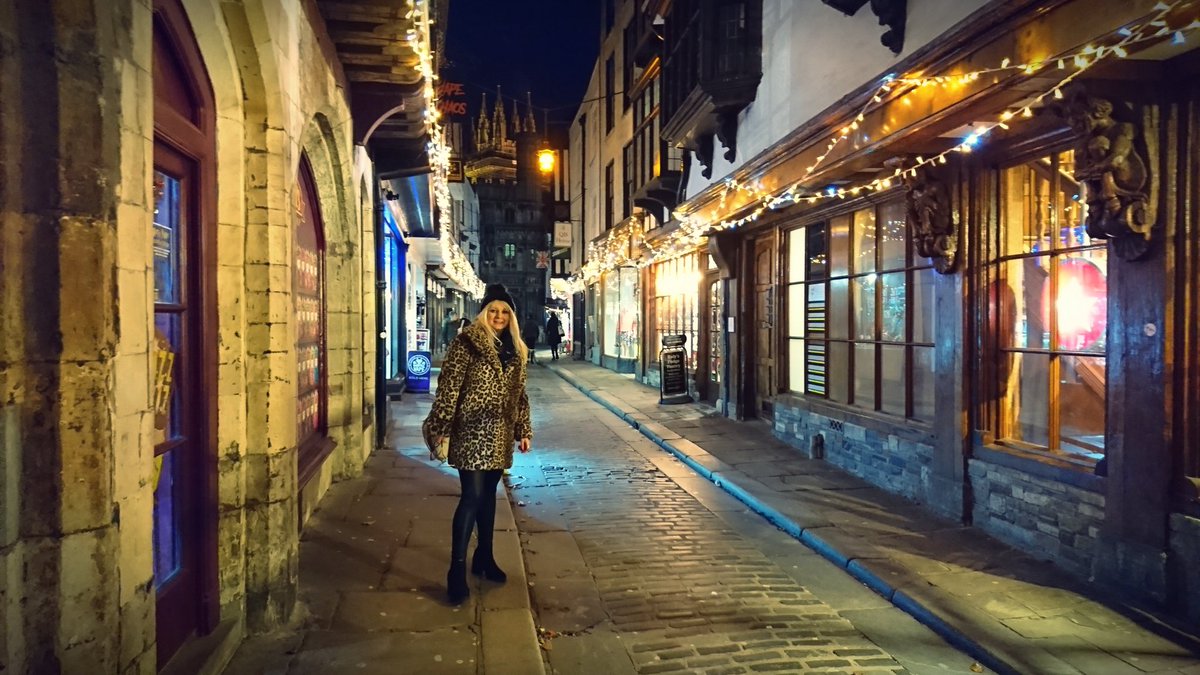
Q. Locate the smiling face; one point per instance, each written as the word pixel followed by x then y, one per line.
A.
pixel 499 314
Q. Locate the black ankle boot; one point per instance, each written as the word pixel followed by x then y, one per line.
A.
pixel 484 565
pixel 456 582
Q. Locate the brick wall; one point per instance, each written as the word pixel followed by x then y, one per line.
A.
pixel 891 455
pixel 1047 518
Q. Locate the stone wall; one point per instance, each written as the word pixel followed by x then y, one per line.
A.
pixel 891 455
pixel 74 371
pixel 77 469
pixel 1047 518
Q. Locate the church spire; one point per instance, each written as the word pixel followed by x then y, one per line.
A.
pixel 482 135
pixel 530 123
pixel 516 119
pixel 499 123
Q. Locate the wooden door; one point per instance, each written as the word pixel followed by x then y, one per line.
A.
pixel 712 344
pixel 764 325
pixel 184 514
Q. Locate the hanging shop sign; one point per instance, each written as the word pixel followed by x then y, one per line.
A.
pixel 673 386
pixel 543 259
pixel 562 235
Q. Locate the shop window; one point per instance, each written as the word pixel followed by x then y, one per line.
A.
pixel 860 313
pixel 676 303
pixel 621 313
pixel 308 292
pixel 1047 313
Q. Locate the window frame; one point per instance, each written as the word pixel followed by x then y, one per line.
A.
pixel 314 447
pixel 817 337
pixel 996 427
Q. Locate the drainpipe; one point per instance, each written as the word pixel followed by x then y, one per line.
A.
pixel 381 400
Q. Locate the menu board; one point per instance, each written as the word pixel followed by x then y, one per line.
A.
pixel 673 361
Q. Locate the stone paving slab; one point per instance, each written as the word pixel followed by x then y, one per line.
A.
pixel 1013 612
pixel 373 561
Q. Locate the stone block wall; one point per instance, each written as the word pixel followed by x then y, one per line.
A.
pixel 77 468
pixel 891 455
pixel 1047 518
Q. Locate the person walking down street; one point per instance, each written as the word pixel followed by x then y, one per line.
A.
pixel 448 329
pixel 482 406
pixel 529 333
pixel 554 334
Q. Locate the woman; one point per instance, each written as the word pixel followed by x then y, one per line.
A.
pixel 529 334
pixel 554 334
pixel 482 406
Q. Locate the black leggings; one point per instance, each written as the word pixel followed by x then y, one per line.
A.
pixel 476 507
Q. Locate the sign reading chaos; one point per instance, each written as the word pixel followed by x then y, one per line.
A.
pixel 452 100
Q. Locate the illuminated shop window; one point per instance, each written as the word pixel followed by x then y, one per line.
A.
pixel 1047 313
pixel 676 303
pixel 860 313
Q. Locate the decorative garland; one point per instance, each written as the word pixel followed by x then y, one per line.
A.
pixel 693 231
pixel 455 263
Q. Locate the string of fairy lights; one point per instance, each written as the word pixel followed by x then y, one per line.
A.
pixel 455 263
pixel 617 250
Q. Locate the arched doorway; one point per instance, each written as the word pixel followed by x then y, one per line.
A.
pixel 184 530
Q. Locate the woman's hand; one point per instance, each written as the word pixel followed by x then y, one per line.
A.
pixel 437 440
pixel 524 444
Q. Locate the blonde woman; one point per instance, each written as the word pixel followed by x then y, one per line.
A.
pixel 481 405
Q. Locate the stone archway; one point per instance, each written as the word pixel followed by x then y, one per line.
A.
pixel 333 175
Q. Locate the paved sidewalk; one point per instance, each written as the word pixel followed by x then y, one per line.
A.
pixel 1013 613
pixel 373 564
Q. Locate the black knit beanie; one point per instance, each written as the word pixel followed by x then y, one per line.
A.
pixel 498 292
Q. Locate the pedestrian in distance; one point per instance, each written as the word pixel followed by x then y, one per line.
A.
pixel 461 325
pixel 447 329
pixel 554 334
pixel 529 333
pixel 483 408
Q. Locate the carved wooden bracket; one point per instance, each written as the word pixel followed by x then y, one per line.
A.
pixel 1112 160
pixel 891 13
pixel 930 223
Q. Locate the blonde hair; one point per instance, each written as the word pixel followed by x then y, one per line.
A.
pixel 513 328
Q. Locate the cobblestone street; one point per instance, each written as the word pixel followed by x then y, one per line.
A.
pixel 623 559
pixel 636 564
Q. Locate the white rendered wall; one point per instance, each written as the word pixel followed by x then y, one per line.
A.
pixel 814 55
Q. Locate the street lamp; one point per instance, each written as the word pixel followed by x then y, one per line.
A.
pixel 545 159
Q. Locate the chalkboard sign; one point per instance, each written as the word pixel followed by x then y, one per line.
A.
pixel 673 360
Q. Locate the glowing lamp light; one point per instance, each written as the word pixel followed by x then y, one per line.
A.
pixel 545 160
pixel 1082 304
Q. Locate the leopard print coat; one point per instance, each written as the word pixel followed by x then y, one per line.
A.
pixel 480 405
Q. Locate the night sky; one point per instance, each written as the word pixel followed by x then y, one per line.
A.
pixel 544 46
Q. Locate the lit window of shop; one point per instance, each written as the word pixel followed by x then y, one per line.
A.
pixel 676 303
pixel 621 313
pixel 510 251
pixel 1046 298
pixel 308 284
pixel 860 313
